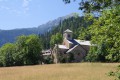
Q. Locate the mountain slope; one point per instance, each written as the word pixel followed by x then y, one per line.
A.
pixel 10 35
pixel 74 23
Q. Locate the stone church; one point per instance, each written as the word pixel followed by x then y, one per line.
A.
pixel 72 49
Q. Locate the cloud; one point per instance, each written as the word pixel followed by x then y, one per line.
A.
pixel 10 10
pixel 26 5
pixel 22 9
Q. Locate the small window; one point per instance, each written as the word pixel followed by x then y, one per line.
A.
pixel 68 36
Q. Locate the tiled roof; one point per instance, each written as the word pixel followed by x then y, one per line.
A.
pixel 73 41
pixel 77 43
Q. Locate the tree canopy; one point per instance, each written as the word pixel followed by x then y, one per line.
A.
pixel 105 34
pixel 56 39
pixel 95 5
pixel 25 51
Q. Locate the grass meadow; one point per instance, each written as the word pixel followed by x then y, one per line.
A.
pixel 73 71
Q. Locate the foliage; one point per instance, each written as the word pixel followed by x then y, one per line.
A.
pixel 116 73
pixel 95 5
pixel 20 50
pixel 105 34
pixel 33 48
pixel 48 60
pixel 96 54
pixel 6 53
pixel 84 34
pixel 62 58
pixel 56 39
pixel 25 51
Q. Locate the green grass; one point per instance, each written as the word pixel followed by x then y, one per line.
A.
pixel 74 71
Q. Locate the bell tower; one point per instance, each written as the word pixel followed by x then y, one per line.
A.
pixel 67 34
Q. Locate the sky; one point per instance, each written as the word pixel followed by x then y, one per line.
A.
pixel 16 14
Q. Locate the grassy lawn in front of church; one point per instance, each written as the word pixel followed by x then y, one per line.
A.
pixel 70 71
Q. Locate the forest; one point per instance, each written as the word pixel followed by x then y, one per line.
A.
pixel 103 30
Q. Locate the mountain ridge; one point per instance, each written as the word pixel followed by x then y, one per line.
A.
pixel 10 35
